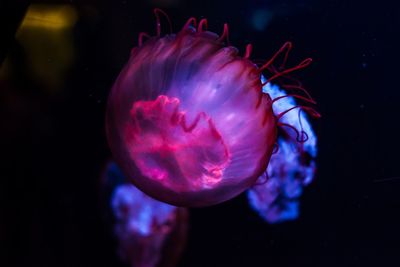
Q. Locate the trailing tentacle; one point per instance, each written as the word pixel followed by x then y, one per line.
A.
pixel 203 24
pixel 141 36
pixel 225 34
pixel 157 13
pixel 189 22
pixel 249 48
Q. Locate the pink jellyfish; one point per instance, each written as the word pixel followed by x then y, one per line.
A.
pixel 187 120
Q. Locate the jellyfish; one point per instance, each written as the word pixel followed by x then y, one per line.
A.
pixel 150 233
pixel 275 197
pixel 187 120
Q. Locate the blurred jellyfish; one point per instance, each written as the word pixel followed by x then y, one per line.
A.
pixel 276 195
pixel 150 233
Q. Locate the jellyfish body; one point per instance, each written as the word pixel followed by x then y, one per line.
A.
pixel 187 120
pixel 276 195
pixel 150 233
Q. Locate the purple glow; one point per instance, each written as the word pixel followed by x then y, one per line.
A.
pixel 138 213
pixel 276 198
pixel 150 233
pixel 292 117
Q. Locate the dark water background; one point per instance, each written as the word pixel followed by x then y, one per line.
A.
pixel 52 141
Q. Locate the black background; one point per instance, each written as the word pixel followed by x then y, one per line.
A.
pixel 53 147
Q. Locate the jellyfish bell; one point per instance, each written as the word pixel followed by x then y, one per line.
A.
pixel 187 120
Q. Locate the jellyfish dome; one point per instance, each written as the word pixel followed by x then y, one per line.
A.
pixel 187 120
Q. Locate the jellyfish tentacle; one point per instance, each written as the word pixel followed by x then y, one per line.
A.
pixel 285 57
pixel 249 48
pixel 286 46
pixel 190 21
pixel 141 36
pixel 157 12
pixel 301 136
pixel 299 87
pixel 225 34
pixel 263 179
pixel 203 24
pixel 301 65
pixel 295 85
pixel 306 99
pixel 312 112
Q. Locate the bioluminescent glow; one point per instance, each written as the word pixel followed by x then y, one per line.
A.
pixel 139 213
pixel 150 233
pixel 276 197
pixel 297 119
pixel 187 120
pixel 45 37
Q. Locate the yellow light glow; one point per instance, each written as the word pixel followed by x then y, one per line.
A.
pixel 46 37
pixel 50 17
